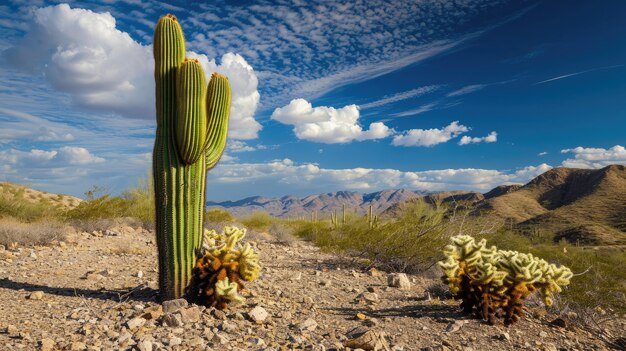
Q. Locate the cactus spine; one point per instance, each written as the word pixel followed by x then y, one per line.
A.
pixel 192 120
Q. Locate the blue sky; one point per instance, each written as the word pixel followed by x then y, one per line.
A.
pixel 428 95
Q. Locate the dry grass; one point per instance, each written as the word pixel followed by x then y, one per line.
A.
pixel 13 231
pixel 282 234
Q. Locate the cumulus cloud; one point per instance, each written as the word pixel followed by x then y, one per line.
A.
pixel 326 124
pixel 595 157
pixel 429 137
pixel 245 96
pixel 244 179
pixel 491 138
pixel 82 53
pixel 35 158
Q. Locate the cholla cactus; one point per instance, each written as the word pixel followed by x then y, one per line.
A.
pixel 222 265
pixel 487 279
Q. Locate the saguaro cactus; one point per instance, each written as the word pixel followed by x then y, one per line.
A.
pixel 192 122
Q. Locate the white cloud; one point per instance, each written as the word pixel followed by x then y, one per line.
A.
pixel 595 157
pixel 400 96
pixel 287 177
pixel 62 157
pixel 326 124
pixel 82 53
pixel 467 90
pixel 245 96
pixel 491 138
pixel 543 153
pixel 18 125
pixel 429 137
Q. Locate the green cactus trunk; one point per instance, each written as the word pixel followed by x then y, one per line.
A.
pixel 186 141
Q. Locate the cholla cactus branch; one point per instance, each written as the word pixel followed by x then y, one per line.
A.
pixel 223 264
pixel 487 279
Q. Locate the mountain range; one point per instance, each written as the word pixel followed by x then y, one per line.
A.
pixel 323 204
pixel 587 206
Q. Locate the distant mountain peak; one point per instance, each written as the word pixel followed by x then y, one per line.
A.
pixel 325 203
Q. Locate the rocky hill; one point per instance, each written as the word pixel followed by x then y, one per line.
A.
pixel 586 206
pixel 292 206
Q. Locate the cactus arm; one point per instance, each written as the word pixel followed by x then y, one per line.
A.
pixel 218 111
pixel 191 122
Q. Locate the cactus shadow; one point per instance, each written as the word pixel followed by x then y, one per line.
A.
pixel 140 293
pixel 437 312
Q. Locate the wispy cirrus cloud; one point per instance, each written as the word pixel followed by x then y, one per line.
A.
pixel 409 94
pixel 337 43
pixel 578 73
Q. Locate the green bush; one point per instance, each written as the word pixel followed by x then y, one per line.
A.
pixel 258 220
pixel 409 243
pixel 16 206
pixel 217 215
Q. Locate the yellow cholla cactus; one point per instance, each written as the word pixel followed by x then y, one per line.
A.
pixel 222 265
pixel 487 279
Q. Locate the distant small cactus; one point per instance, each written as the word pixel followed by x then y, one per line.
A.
pixel 491 281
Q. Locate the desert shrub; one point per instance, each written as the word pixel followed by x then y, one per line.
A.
pixel 140 201
pixel 30 233
pixel 282 234
pixel 409 243
pixel 137 202
pixel 16 206
pixel 217 215
pixel 258 220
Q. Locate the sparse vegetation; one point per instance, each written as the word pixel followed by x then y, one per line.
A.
pixel 14 231
pixel 217 215
pixel 258 220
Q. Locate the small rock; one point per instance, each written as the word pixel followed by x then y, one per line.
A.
pixel 172 320
pixel 361 316
pixel 325 282
pixel 228 327
pixel 153 312
pixel 219 314
pixel 190 315
pixel 399 280
pixel 310 324
pixel 220 339
pixel 370 341
pixel 78 346
pixel 140 274
pixel 144 345
pixel 504 336
pixel 543 334
pixel 46 344
pixel 172 306
pixel 374 272
pixel 33 255
pixel 548 347
pixel 135 323
pixel 174 340
pixel 454 327
pixel 258 314
pixel 109 232
pixel 370 297
pixel 297 276
pixel 37 295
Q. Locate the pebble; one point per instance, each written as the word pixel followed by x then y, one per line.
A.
pixel 258 314
pixel 174 340
pixel 37 295
pixel 172 306
pixel 144 345
pixel 399 280
pixel 135 323
pixel 46 344
pixel 310 324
